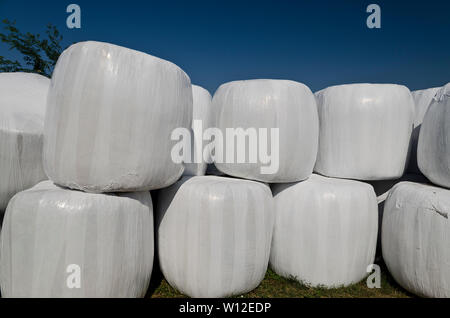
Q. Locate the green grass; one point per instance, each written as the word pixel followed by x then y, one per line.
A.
pixel 274 286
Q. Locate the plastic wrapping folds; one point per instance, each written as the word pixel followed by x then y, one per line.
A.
pixel 382 189
pixel 202 115
pixel 415 238
pixel 22 109
pixel 325 231
pixel 214 235
pixel 111 112
pixel 56 240
pixel 433 152
pixel 365 131
pixel 268 109
pixel 422 100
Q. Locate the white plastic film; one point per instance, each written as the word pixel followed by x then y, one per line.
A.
pixel 266 107
pixel 415 236
pixel 422 100
pixel 214 235
pixel 202 114
pixel 433 151
pixel 111 113
pixel 382 189
pixel 23 98
pixel 57 242
pixel 325 231
pixel 365 131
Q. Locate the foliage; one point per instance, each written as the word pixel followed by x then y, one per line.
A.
pixel 39 55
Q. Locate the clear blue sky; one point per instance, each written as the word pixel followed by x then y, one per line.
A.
pixel 319 43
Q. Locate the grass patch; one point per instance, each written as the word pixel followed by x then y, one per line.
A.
pixel 274 286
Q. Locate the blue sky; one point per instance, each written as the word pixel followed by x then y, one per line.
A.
pixel 318 43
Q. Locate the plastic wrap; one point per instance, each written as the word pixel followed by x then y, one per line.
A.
pixel 415 238
pixel 23 98
pixel 214 235
pixel 48 231
pixel 325 231
pixel 382 189
pixel 433 151
pixel 365 131
pixel 422 99
pixel 111 112
pixel 287 105
pixel 201 112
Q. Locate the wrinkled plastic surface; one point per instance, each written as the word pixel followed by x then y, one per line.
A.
pixel 23 98
pixel 48 228
pixel 214 235
pixel 111 112
pixel 201 111
pixel 325 231
pixel 365 131
pixel 415 238
pixel 382 189
pixel 287 105
pixel 433 151
pixel 422 99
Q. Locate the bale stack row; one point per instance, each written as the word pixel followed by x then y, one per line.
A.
pixel 325 225
pixel 88 231
pixel 309 207
pixel 416 227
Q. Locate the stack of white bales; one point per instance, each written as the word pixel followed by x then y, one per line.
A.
pixel 422 99
pixel 326 227
pixel 223 225
pixel 110 114
pixel 416 227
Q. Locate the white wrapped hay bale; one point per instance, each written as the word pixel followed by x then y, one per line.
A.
pixel 415 238
pixel 325 231
pixel 433 151
pixel 23 98
pixel 214 235
pixel 202 115
pixel 382 189
pixel 422 99
pixel 365 131
pixel 55 240
pixel 111 112
pixel 266 107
